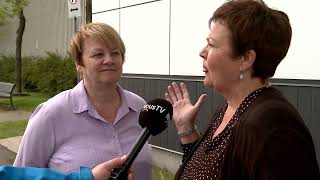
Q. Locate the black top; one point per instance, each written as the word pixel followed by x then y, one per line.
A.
pixel 265 139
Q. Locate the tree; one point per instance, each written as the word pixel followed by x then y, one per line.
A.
pixel 88 11
pixel 9 9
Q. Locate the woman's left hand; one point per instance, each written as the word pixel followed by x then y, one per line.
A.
pixel 184 112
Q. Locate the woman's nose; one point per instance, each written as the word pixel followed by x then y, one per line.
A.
pixel 108 59
pixel 203 53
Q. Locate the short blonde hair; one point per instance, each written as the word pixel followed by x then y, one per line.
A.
pixel 98 31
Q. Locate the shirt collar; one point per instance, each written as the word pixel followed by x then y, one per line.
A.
pixel 81 102
pixel 79 98
pixel 127 100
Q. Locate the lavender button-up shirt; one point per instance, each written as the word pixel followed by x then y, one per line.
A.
pixel 66 132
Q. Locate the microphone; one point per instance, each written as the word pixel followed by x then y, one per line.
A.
pixel 153 118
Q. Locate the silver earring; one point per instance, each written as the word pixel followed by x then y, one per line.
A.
pixel 241 74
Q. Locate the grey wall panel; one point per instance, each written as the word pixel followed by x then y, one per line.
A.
pixel 172 137
pixel 207 110
pixel 291 94
pixel 309 108
pixel 304 105
pixel 303 94
pixel 314 125
pixel 138 87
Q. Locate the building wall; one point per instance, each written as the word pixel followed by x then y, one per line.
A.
pixel 48 28
pixel 167 35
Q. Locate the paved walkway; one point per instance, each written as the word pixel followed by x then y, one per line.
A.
pixel 11 143
pixel 6 156
pixel 9 146
pixel 14 115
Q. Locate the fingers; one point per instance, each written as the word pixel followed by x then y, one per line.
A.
pixel 184 90
pixel 103 170
pixel 130 174
pixel 200 101
pixel 168 98
pixel 113 163
pixel 176 92
pixel 172 95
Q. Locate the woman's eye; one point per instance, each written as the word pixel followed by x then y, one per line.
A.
pixel 115 53
pixel 97 55
pixel 210 45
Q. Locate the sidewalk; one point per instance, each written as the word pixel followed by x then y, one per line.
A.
pixel 14 115
pixel 13 143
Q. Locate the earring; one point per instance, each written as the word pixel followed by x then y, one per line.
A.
pixel 241 74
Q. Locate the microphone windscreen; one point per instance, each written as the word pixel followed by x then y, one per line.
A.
pixel 155 115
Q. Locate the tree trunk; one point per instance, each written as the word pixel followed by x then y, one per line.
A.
pixel 88 11
pixel 20 31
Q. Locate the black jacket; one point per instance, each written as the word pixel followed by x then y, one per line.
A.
pixel 269 142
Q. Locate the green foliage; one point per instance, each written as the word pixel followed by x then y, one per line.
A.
pixel 7 68
pixel 4 15
pixel 10 8
pixel 12 128
pixel 49 75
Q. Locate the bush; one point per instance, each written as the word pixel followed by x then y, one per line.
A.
pixel 50 74
pixel 7 68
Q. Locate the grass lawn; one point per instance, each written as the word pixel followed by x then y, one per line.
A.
pixel 12 128
pixel 27 103
pixel 161 174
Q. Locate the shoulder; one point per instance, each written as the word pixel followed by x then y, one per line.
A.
pixel 270 122
pixel 268 114
pixel 133 96
pixel 59 102
pixel 134 100
pixel 271 108
pixel 53 106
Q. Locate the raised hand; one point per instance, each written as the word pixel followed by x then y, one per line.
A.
pixel 184 113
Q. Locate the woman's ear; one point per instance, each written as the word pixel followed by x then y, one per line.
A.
pixel 78 67
pixel 79 70
pixel 247 60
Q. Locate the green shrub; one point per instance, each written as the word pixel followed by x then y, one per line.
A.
pixel 50 74
pixel 7 68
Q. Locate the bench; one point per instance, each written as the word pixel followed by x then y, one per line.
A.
pixel 6 90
